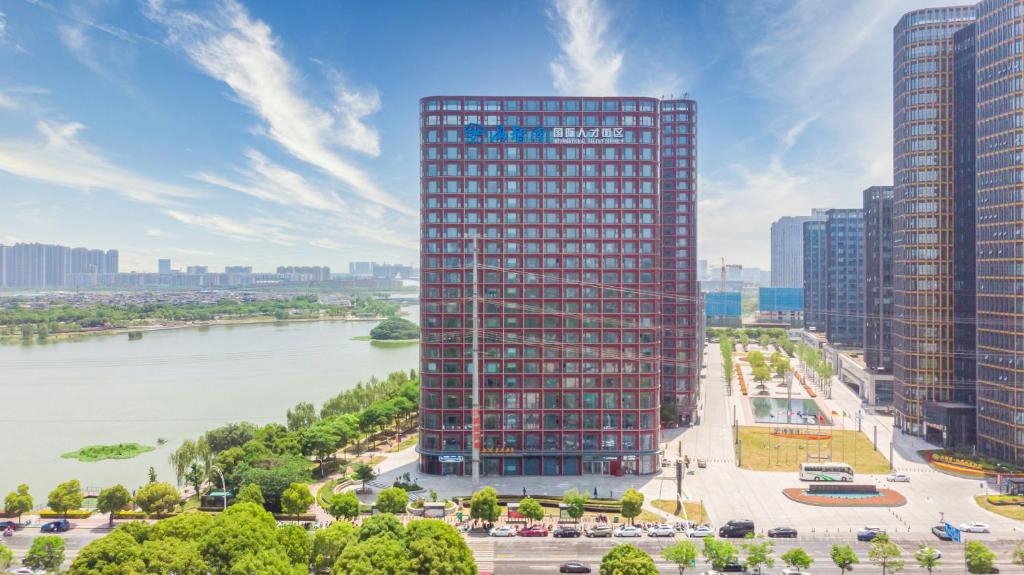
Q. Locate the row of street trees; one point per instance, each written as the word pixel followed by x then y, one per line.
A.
pixel 484 506
pixel 758 555
pixel 154 498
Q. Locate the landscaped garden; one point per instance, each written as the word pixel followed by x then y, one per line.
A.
pixel 763 451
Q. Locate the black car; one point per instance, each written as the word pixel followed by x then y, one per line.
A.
pixel 940 532
pixel 573 567
pixel 736 528
pixel 566 532
pixel 59 526
pixel 787 532
pixel 734 568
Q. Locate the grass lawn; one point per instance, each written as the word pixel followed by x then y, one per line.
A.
pixel 406 443
pixel 1012 511
pixel 101 452
pixel 694 509
pixel 787 454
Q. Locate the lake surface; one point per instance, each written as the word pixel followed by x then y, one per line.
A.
pixel 174 384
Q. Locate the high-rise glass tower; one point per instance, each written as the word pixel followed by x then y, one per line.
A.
pixel 583 213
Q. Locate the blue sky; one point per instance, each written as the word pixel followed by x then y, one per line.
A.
pixel 266 133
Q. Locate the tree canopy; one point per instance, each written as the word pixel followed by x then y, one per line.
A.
pixel 395 328
pixel 627 559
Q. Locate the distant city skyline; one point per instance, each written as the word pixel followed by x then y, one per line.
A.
pixel 153 120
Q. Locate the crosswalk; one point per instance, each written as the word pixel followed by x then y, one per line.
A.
pixel 483 552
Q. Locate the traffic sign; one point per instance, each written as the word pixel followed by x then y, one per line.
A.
pixel 952 532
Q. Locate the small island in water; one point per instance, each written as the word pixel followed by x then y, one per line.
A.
pixel 101 452
pixel 393 331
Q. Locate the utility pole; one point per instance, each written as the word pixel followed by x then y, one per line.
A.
pixel 477 440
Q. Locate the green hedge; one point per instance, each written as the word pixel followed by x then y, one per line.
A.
pixel 595 505
pixel 75 514
pixel 1006 499
pixel 303 517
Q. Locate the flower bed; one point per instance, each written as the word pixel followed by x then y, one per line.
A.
pixel 1006 499
pixel 968 467
pixel 74 514
pixel 885 498
pixel 742 382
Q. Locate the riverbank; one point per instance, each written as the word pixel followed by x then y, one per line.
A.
pixel 172 325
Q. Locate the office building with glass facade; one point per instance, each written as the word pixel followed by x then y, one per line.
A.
pixel 583 214
pixel 814 275
pixel 878 279
pixel 844 276
pixel 923 223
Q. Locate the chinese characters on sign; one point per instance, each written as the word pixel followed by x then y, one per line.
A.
pixel 476 134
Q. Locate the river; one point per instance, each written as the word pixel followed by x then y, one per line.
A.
pixel 172 384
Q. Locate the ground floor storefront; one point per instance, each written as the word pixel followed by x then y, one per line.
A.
pixel 517 465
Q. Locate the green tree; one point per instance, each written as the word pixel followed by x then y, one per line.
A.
pixel 296 543
pixel 383 524
pixel 320 440
pixel 6 557
pixel 344 505
pixel 575 504
pixel 118 552
pixel 18 502
pixel 66 497
pixel 157 498
pixel 927 557
pixel 844 557
pixel 682 553
pixel 979 557
pixel 719 553
pixel 483 506
pixel 531 509
pixel 273 474
pixel 632 503
pixel 113 499
pixel 759 555
pixel 392 500
pixel 797 558
pixel 364 473
pixel 195 477
pixel 885 554
pixel 152 474
pixel 301 416
pixel 627 559
pixel 266 561
pixel 328 543
pixel 251 493
pixel 190 453
pixel 173 556
pixel 436 548
pixel 296 500
pixel 45 554
pixel 1017 555
pixel 762 373
pixel 379 555
pixel 243 530
pixel 395 328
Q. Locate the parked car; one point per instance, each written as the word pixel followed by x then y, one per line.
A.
pixel 869 533
pixel 898 478
pixel 661 531
pixel 5 525
pixel 787 532
pixel 701 531
pixel 573 567
pixel 534 531
pixel 975 527
pixel 600 531
pixel 940 532
pixel 684 526
pixel 736 528
pixel 504 531
pixel 566 531
pixel 793 571
pixel 938 554
pixel 59 526
pixel 628 531
pixel 734 568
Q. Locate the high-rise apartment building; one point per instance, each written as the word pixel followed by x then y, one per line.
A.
pixel 583 214
pixel 878 279
pixel 844 276
pixel 814 275
pixel 788 250
pixel 1000 188
pixel 923 211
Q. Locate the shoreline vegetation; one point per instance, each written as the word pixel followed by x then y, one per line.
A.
pixel 65 323
pixel 93 453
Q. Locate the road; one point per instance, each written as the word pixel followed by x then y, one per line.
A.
pixel 513 556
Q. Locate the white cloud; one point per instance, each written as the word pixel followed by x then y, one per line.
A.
pixel 6 102
pixel 590 61
pixel 272 182
pixel 229 46
pixel 251 231
pixel 155 233
pixel 3 27
pixel 60 158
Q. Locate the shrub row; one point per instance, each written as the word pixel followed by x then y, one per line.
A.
pixel 74 514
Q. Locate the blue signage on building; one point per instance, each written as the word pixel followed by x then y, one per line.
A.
pixel 477 134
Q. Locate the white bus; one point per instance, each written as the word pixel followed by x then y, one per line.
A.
pixel 825 472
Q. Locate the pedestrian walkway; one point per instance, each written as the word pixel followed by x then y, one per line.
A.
pixel 483 552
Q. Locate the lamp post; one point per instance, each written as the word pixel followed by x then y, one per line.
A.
pixel 223 486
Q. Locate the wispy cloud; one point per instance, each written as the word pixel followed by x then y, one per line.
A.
pixel 590 61
pixel 228 45
pixel 272 182
pixel 59 157
pixel 257 230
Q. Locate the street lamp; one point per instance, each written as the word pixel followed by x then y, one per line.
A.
pixel 223 486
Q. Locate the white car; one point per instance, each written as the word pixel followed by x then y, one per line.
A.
pixel 975 527
pixel 505 531
pixel 701 531
pixel 936 552
pixel 628 531
pixel 898 478
pixel 661 531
